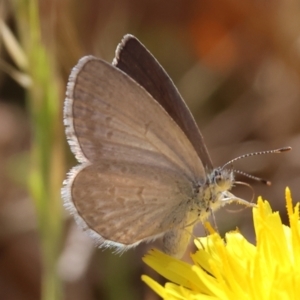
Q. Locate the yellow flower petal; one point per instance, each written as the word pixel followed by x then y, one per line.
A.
pixel 154 285
pixel 174 270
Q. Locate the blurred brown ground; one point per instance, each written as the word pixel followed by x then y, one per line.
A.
pixel 237 65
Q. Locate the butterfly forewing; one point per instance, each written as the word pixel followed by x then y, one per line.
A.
pixel 136 61
pixel 124 123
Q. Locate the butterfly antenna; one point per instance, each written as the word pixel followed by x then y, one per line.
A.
pixel 264 181
pixel 280 150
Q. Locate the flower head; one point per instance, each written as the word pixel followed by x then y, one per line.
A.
pixel 237 269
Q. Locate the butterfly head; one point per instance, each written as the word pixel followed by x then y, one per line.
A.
pixel 223 179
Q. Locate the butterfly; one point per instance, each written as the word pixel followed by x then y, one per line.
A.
pixel 144 171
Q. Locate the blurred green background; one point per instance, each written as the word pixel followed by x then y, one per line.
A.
pixel 237 65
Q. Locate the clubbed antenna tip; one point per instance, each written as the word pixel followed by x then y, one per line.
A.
pixel 266 182
pixel 275 151
pixel 283 149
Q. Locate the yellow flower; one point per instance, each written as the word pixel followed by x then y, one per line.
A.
pixel 237 269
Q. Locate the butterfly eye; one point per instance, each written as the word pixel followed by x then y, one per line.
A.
pixel 219 179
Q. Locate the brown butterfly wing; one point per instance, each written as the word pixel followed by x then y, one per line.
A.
pixel 136 61
pixel 126 203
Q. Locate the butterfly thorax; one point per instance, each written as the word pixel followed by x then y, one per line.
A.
pixel 213 194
